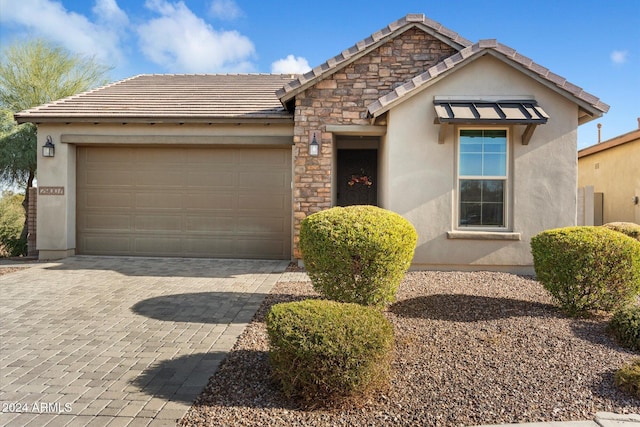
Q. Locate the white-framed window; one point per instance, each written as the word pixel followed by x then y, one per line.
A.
pixel 483 158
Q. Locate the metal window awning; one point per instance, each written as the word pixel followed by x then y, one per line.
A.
pixel 526 112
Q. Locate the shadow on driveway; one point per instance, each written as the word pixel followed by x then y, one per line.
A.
pixel 199 307
pixel 181 379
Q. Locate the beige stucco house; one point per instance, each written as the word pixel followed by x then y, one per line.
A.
pixel 473 143
pixel 612 169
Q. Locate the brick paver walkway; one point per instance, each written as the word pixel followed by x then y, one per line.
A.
pixel 100 341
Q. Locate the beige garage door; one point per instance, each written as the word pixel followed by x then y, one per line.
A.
pixel 190 202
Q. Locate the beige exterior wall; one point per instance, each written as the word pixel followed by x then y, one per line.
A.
pixel 417 175
pixel 422 173
pixel 56 221
pixel 615 172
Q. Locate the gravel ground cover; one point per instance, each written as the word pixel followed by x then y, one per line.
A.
pixel 471 348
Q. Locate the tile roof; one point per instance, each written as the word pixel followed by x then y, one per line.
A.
pixel 171 98
pixel 591 105
pixel 202 98
pixel 373 41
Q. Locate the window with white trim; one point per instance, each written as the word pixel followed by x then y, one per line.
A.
pixel 482 178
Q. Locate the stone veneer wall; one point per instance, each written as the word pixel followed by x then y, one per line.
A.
pixel 32 215
pixel 342 99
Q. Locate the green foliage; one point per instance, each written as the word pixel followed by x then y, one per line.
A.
pixel 38 72
pixel 625 326
pixel 357 254
pixel 324 352
pixel 627 378
pixel 18 153
pixel 32 74
pixel 587 268
pixel 629 228
pixel 11 222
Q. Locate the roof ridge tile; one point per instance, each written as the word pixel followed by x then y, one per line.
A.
pixel 415 17
pixel 524 60
pixel 487 43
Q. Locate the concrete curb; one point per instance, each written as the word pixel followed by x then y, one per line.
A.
pixel 602 419
pixel 609 419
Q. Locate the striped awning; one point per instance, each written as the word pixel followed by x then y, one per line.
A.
pixel 488 112
pixel 508 112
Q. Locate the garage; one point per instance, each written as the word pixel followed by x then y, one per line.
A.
pixel 184 201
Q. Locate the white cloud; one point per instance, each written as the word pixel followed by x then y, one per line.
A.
pixel 619 56
pixel 182 42
pixel 50 20
pixel 290 65
pixel 108 12
pixel 225 9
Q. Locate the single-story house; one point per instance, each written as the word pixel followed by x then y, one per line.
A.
pixel 474 143
pixel 611 169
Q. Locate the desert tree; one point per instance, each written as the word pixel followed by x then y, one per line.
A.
pixel 33 73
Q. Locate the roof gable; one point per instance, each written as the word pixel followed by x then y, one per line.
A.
pixel 391 31
pixel 590 106
pixel 171 98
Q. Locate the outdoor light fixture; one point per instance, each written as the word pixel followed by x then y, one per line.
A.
pixel 314 147
pixel 48 149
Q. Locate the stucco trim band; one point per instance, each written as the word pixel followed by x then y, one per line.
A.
pixel 364 130
pixel 182 139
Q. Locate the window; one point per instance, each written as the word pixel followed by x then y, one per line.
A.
pixel 482 178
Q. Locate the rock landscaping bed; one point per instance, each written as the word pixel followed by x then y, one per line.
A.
pixel 7 270
pixel 471 348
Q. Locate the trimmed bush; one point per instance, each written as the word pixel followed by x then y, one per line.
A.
pixel 324 352
pixel 627 378
pixel 625 326
pixel 357 254
pixel 629 228
pixel 11 224
pixel 587 268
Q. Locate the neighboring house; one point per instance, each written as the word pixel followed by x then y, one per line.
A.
pixel 612 170
pixel 473 143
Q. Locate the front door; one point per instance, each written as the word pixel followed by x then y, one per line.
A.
pixel 357 177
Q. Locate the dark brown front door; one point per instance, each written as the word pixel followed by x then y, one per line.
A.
pixel 357 177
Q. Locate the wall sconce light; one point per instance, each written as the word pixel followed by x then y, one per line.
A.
pixel 48 149
pixel 314 147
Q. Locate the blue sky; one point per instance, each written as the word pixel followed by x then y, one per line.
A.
pixel 593 44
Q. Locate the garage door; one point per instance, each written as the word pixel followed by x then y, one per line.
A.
pixel 189 202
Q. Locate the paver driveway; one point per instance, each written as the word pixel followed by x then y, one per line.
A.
pixel 97 341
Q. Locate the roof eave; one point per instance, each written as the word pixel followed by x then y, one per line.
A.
pixel 588 111
pixel 592 111
pixel 625 138
pixel 153 120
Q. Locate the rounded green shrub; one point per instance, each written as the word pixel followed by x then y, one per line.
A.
pixel 357 254
pixel 587 268
pixel 629 228
pixel 627 378
pixel 325 352
pixel 625 326
pixel 11 224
